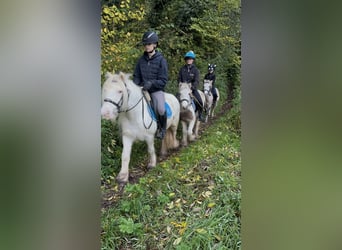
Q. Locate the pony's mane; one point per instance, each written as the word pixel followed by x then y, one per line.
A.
pixel 119 77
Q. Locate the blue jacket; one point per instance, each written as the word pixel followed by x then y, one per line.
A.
pixel 152 69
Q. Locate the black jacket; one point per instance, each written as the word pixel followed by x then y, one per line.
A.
pixel 152 69
pixel 210 76
pixel 189 74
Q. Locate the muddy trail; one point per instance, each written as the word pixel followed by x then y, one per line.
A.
pixel 111 193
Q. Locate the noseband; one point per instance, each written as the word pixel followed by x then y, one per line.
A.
pixel 186 100
pixel 116 104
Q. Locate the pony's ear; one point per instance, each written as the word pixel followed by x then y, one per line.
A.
pixel 215 66
pixel 122 76
pixel 108 74
pixel 208 64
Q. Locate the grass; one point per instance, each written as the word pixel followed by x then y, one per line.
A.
pixel 190 201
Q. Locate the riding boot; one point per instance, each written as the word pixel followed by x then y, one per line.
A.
pixel 162 130
pixel 201 116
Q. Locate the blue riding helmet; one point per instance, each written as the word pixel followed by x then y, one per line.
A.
pixel 190 54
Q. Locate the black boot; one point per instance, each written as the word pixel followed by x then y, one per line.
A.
pixel 201 117
pixel 162 129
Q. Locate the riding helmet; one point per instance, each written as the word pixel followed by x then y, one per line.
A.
pixel 149 37
pixel 190 54
pixel 211 67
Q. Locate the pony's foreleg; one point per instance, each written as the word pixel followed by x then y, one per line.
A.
pixel 125 158
pixel 191 134
pixel 174 134
pixel 151 150
pixel 184 133
pixel 197 127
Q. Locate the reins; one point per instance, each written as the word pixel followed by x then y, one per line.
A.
pixel 194 98
pixel 119 104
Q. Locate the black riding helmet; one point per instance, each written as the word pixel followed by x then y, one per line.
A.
pixel 211 67
pixel 149 37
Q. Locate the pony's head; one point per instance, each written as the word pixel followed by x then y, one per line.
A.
pixel 114 95
pixel 184 94
pixel 207 85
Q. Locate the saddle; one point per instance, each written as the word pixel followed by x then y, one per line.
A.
pixel 152 112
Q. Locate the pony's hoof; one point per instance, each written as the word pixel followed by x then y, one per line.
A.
pixel 192 138
pixel 121 187
pixel 122 178
pixel 149 166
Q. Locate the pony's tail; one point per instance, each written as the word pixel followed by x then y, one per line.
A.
pixel 170 141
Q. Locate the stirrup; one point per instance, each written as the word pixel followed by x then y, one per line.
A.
pixel 201 118
pixel 160 134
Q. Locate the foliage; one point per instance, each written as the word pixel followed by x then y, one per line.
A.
pixel 190 201
pixel 119 35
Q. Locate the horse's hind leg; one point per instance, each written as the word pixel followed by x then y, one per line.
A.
pixel 174 134
pixel 151 150
pixel 122 177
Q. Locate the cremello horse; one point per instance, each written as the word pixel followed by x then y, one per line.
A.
pixel 210 105
pixel 189 126
pixel 123 99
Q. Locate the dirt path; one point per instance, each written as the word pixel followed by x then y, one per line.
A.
pixel 112 193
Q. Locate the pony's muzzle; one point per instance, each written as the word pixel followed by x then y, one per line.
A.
pixel 107 113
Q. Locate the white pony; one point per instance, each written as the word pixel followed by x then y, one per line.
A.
pixel 210 105
pixel 189 126
pixel 122 98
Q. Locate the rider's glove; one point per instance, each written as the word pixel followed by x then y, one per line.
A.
pixel 147 85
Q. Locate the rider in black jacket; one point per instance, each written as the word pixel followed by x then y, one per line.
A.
pixel 211 76
pixel 151 72
pixel 190 74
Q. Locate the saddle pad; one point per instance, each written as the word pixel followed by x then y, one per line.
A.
pixel 167 109
pixel 193 105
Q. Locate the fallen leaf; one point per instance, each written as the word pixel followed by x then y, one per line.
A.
pixel 211 204
pixel 201 231
pixel 177 241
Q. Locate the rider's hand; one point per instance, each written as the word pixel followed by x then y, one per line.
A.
pixel 147 85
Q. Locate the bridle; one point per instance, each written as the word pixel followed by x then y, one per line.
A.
pixel 207 91
pixel 116 104
pixel 186 100
pixel 119 104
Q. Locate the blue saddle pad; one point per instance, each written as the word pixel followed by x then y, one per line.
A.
pixel 193 104
pixel 167 109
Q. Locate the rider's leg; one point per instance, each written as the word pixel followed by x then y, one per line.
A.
pixel 159 107
pixel 199 105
